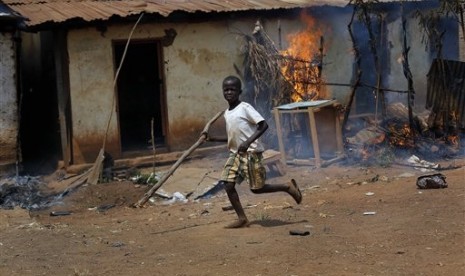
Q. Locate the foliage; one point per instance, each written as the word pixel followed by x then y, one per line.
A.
pixel 429 22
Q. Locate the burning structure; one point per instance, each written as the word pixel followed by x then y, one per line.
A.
pixel 293 78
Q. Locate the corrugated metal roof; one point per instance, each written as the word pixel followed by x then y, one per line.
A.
pixel 7 14
pixel 47 11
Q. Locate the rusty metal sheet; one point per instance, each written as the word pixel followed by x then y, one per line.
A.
pixel 303 105
pixel 446 88
pixel 56 11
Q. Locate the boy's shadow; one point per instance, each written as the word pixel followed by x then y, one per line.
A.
pixel 274 222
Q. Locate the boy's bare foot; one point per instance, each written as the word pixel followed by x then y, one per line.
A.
pixel 238 224
pixel 294 191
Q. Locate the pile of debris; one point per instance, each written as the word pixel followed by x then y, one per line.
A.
pixel 25 192
pixel 370 140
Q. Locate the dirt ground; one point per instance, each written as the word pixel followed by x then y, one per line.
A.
pixel 409 232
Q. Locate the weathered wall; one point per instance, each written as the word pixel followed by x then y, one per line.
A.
pixel 8 103
pixel 201 55
pixel 91 88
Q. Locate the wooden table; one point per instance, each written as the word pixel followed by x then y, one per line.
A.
pixel 324 125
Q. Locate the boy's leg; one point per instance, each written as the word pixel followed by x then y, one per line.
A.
pixel 292 189
pixel 236 204
pixel 256 175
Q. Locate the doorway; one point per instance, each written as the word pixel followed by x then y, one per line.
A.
pixel 140 95
pixel 39 128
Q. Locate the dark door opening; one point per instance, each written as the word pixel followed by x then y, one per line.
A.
pixel 139 95
pixel 39 125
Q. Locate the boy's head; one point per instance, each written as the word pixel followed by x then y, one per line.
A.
pixel 232 89
pixel 233 81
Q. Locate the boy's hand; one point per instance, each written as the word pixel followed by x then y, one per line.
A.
pixel 243 148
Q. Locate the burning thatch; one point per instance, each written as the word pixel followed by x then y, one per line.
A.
pixel 275 77
pixel 262 71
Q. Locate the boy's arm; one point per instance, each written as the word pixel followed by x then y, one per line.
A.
pixel 217 139
pixel 213 138
pixel 262 126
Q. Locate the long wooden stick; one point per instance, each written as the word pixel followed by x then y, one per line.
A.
pixel 165 176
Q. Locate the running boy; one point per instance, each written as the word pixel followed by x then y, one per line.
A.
pixel 244 125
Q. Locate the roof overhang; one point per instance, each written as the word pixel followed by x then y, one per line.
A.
pixel 38 12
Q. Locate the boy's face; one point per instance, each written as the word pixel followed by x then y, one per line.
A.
pixel 231 91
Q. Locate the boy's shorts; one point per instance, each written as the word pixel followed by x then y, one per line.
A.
pixel 247 166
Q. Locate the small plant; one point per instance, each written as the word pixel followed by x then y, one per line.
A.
pixel 149 179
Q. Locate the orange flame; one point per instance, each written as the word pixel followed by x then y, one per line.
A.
pixel 453 140
pixel 401 135
pixel 302 61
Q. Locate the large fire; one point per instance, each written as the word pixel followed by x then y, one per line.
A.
pixel 302 61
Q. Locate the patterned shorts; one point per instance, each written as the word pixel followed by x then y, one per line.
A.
pixel 248 166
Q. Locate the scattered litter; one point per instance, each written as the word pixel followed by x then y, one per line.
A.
pixel 369 193
pixel 422 165
pixel 117 244
pixel 384 178
pixel 299 233
pixel 369 213
pixel 323 215
pixel 105 207
pixel 227 208
pixel 163 194
pixel 177 197
pixel 60 213
pixel 434 181
pixel 406 174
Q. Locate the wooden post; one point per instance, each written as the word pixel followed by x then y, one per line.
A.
pixel 314 134
pixel 279 133
pixel 62 85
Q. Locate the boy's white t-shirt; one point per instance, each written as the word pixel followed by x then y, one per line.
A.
pixel 241 123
